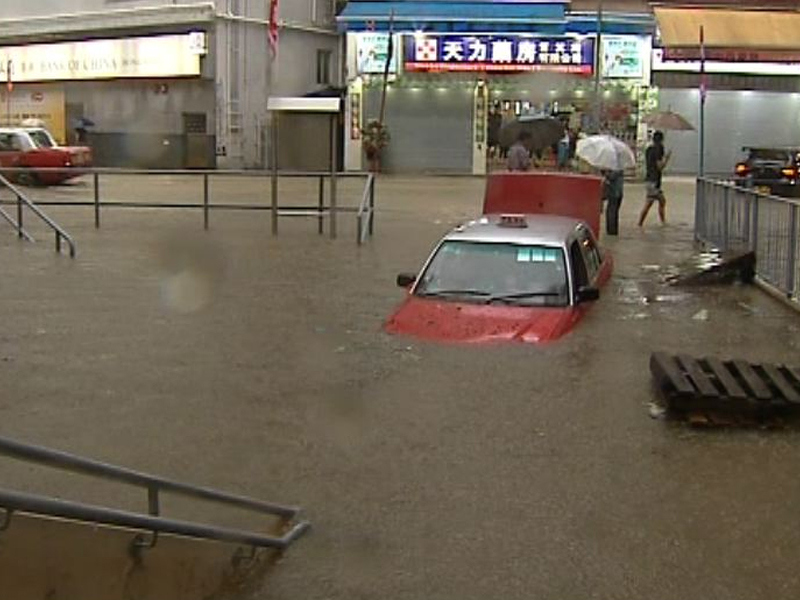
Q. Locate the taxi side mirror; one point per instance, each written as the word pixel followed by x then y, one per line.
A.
pixel 405 280
pixel 588 294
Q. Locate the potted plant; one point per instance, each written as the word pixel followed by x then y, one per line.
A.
pixel 375 137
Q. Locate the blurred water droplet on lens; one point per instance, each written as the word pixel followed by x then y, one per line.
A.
pixel 186 291
pixel 191 268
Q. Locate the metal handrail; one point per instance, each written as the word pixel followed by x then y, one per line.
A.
pixel 733 186
pixel 320 211
pixel 215 172
pixel 57 229
pixel 366 208
pixel 312 210
pixel 152 483
pixel 77 464
pixel 735 218
pixel 17 227
pixel 53 507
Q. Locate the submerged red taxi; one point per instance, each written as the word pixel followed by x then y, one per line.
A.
pixel 504 278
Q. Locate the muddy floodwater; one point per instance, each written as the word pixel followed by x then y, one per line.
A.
pixel 257 364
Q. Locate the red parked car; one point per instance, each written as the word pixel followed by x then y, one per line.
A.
pixel 35 149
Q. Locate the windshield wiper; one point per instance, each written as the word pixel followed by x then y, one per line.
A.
pixel 523 296
pixel 441 293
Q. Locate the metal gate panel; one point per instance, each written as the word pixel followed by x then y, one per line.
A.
pixel 733 119
pixel 431 129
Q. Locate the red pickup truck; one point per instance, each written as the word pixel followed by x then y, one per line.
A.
pixel 33 148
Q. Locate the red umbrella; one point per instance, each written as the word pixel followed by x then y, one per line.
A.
pixel 668 120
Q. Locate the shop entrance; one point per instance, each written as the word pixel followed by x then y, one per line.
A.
pixel 575 106
pixel 507 106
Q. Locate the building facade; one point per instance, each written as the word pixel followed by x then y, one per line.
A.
pixel 457 62
pixel 163 84
pixel 445 79
pixel 751 79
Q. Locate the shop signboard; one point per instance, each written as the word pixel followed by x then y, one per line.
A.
pixel 624 56
pixel 499 53
pixel 661 63
pixel 371 53
pixel 151 56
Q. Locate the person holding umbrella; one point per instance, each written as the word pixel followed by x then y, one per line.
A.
pixel 542 132
pixel 81 126
pixel 613 191
pixel 656 160
pixel 611 156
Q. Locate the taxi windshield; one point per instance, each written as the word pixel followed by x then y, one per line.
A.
pixel 41 138
pixel 489 272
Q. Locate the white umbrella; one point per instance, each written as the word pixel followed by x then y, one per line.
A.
pixel 605 152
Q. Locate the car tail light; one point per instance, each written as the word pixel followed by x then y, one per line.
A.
pixel 790 172
pixel 742 169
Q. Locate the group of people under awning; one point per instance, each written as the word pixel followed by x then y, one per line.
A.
pixel 610 157
pixel 551 141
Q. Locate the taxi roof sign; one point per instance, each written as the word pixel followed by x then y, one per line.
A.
pixel 518 221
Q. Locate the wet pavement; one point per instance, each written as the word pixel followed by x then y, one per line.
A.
pixel 257 364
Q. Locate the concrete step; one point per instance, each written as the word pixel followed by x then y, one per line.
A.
pixel 52 558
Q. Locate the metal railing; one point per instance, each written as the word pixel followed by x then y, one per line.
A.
pixel 325 207
pixel 732 218
pixel 152 522
pixel 365 218
pixel 22 201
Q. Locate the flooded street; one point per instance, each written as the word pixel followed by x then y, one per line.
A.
pixel 257 364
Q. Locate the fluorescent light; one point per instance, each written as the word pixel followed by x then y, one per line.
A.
pixel 712 66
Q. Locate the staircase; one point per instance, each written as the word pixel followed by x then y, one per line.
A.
pixel 21 202
pixel 53 549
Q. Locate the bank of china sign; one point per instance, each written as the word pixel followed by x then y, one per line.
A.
pixel 499 53
pixel 156 56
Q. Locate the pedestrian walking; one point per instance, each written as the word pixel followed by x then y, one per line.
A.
pixel 656 160
pixel 613 190
pixel 519 155
pixel 82 125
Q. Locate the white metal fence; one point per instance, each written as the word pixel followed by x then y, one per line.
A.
pixel 735 219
